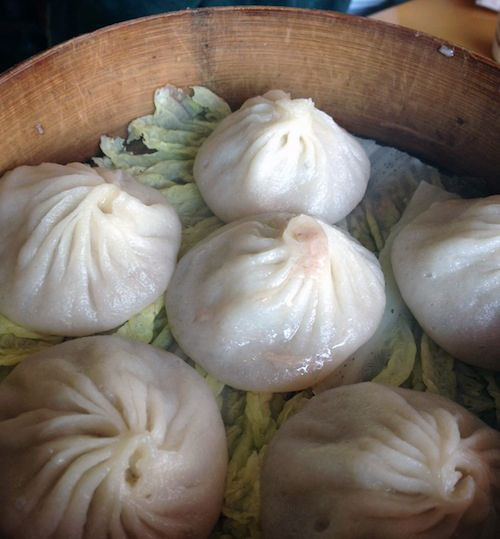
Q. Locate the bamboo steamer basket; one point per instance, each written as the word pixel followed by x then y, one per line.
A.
pixel 402 88
pixel 405 89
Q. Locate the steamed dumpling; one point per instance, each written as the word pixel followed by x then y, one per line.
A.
pixel 103 438
pixel 447 266
pixel 82 249
pixel 281 154
pixel 275 302
pixel 371 461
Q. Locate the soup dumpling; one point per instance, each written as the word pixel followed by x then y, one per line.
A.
pixel 82 249
pixel 103 437
pixel 275 302
pixel 447 265
pixel 368 460
pixel 277 154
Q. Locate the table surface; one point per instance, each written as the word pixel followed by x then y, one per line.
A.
pixel 459 22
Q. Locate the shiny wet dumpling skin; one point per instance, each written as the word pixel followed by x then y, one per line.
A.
pixel 281 154
pixel 82 249
pixel 373 461
pixel 447 266
pixel 275 302
pixel 105 438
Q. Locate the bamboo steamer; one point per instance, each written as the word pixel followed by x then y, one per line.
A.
pixel 402 88
pixel 378 80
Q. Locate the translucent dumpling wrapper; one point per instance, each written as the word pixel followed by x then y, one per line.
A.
pixel 368 460
pixel 82 249
pixel 104 437
pixel 446 263
pixel 275 302
pixel 281 154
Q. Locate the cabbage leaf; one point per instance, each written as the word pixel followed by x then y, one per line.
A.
pixel 17 342
pixel 168 139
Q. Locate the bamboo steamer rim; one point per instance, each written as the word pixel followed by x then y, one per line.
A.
pixel 403 30
pixel 458 132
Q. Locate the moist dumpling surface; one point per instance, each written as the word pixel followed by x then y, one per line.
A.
pixel 82 249
pixel 102 438
pixel 275 302
pixel 281 154
pixel 447 266
pixel 372 461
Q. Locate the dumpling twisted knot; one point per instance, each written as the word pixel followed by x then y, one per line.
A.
pixel 281 154
pixel 368 460
pixel 275 302
pixel 82 249
pixel 101 437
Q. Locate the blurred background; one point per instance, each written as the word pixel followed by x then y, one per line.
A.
pixel 30 26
